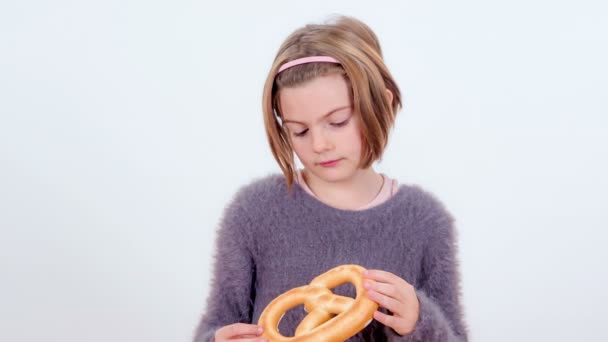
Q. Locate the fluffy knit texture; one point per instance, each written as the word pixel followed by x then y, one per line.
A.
pixel 270 241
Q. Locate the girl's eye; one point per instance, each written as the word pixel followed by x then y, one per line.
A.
pixel 340 124
pixel 300 134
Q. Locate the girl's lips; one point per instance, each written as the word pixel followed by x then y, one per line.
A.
pixel 329 163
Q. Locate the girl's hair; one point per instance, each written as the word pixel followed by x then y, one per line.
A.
pixel 357 48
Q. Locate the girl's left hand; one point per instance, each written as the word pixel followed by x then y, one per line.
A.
pixel 396 295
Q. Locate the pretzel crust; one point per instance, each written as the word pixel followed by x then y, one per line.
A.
pixel 331 318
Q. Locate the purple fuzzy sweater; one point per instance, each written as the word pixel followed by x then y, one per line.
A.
pixel 270 241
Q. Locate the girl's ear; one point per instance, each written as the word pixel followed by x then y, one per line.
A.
pixel 389 95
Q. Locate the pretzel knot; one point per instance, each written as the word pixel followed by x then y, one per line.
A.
pixel 330 317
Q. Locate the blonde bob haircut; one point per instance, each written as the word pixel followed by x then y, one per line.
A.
pixel 357 48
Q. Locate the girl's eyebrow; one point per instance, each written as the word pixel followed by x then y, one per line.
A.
pixel 324 116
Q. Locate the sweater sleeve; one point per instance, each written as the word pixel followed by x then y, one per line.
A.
pixel 438 288
pixel 232 292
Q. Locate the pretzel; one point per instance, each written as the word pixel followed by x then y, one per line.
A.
pixel 331 318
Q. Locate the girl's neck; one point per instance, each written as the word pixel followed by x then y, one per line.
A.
pixel 349 194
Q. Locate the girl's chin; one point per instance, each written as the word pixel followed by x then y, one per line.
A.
pixel 330 174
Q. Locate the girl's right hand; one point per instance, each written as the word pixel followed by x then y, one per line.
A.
pixel 239 332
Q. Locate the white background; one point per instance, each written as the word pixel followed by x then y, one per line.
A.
pixel 126 127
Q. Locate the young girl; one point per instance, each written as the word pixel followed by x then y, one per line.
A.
pixel 330 99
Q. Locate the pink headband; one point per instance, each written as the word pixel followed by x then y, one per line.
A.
pixel 304 60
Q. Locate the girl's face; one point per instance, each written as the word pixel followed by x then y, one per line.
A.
pixel 323 129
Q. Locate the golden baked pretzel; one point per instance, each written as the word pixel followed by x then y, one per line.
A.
pixel 331 318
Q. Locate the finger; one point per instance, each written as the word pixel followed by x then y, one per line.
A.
pixel 389 290
pixel 386 302
pixel 382 276
pixel 247 336
pixel 251 339
pixel 240 329
pixel 388 320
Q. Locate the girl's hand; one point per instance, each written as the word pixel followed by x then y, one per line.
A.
pixel 239 332
pixel 396 295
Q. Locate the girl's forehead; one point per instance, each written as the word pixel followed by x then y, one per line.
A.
pixel 315 99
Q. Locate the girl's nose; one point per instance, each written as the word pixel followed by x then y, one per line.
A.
pixel 321 142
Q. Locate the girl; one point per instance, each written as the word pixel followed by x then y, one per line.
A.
pixel 330 99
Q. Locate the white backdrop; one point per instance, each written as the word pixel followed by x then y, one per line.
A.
pixel 126 126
